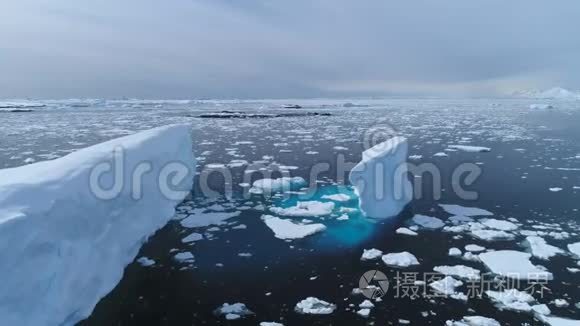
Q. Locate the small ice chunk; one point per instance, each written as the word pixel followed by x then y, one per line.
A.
pixel 184 257
pixel 474 248
pixel 440 154
pixel 513 264
pixel 371 254
pixel 406 231
pixel 471 149
pixel 365 312
pixel 454 252
pixel 270 186
pixel 428 221
pixel 314 306
pixel 400 259
pixel 460 271
pixel 145 261
pixel 366 304
pixel 192 238
pixel 233 311
pixel 473 321
pixel 284 229
pixel 270 323
pixel 447 286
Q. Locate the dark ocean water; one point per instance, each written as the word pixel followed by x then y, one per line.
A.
pixel 532 151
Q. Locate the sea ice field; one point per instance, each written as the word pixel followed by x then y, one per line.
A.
pixel 291 248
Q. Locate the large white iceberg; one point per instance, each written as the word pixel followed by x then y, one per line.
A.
pixel 64 246
pixel 380 179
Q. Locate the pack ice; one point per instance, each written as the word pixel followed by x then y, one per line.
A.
pixel 63 249
pixel 380 179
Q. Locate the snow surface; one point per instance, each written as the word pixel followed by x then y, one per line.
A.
pixel 448 286
pixel 380 179
pixel 285 229
pixel 305 209
pixel 63 248
pixel 460 271
pixel 513 264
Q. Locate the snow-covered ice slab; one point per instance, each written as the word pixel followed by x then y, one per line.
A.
pixel 400 259
pixel 287 230
pixel 380 179
pixel 311 208
pixel 513 264
pixel 473 321
pixel 465 211
pixel 541 249
pixel 575 249
pixel 63 248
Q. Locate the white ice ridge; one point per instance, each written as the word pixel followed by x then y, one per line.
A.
pixel 380 179
pixel 63 248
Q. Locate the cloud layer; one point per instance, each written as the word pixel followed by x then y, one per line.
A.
pixel 299 48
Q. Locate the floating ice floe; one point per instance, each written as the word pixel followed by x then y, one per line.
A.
pixel 460 271
pixel 305 209
pixel 406 231
pixel 288 230
pixel 540 248
pixel 574 248
pixel 184 257
pixel 513 264
pixel 454 252
pixel 400 259
pixel 465 211
pixel 380 179
pixel 314 306
pixel 557 321
pixel 233 311
pixel 498 224
pixel 364 312
pixel 207 219
pixel 272 186
pixel 471 149
pixel 474 248
pixel 540 106
pixel 270 323
pixel 492 235
pixel 371 254
pixel 64 243
pixel 192 238
pixel 440 154
pixel 337 197
pixel 473 321
pixel 145 261
pixel 447 286
pixel 511 299
pixel 428 221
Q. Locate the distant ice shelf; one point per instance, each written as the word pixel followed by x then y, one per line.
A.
pixel 63 248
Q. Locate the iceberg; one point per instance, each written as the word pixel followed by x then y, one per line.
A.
pixel 380 179
pixel 64 247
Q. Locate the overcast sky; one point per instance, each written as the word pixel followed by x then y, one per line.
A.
pixel 293 48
